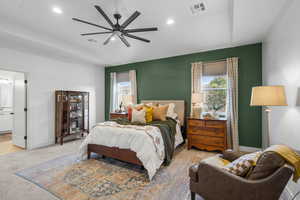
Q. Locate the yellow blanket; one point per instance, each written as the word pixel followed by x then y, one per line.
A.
pixel 290 156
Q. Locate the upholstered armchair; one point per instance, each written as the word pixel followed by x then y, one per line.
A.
pixel 214 183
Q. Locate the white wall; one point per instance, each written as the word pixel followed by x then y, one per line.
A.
pixel 45 75
pixel 281 66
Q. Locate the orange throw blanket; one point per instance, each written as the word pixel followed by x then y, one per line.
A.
pixel 290 156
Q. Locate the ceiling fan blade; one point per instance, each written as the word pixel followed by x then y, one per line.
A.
pixel 104 15
pixel 136 37
pixel 130 19
pixel 140 30
pixel 123 39
pixel 92 24
pixel 96 33
pixel 108 39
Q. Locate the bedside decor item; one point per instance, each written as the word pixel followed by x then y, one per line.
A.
pixel 71 114
pixel 196 100
pixel 207 134
pixel 208 116
pixel 268 96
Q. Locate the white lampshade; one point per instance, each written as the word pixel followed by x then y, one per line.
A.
pixel 196 97
pixel 268 96
pixel 127 100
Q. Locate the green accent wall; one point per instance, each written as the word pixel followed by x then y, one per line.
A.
pixel 170 79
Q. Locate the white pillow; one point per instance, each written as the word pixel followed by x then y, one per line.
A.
pixel 171 111
pixel 138 116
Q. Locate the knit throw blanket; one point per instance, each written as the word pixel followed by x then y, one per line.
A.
pixel 290 157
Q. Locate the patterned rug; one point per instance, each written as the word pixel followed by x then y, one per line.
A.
pixel 109 179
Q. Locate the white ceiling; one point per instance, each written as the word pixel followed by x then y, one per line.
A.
pixel 31 26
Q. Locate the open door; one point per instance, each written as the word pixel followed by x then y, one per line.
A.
pixel 19 125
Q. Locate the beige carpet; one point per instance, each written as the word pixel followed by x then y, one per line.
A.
pixel 6 145
pixel 108 179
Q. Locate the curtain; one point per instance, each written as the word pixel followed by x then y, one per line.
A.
pixel 133 86
pixel 197 69
pixel 113 92
pixel 232 104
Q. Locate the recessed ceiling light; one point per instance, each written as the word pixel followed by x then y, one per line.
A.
pixel 170 21
pixel 112 38
pixel 57 10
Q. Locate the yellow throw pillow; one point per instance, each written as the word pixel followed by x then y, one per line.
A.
pixel 149 113
pixel 160 113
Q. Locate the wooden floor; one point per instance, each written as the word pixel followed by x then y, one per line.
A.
pixel 6 145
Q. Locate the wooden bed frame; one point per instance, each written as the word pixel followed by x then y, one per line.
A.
pixel 127 155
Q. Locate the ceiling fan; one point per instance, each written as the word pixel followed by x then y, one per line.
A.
pixel 118 30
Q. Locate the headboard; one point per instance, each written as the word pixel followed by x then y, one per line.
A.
pixel 179 107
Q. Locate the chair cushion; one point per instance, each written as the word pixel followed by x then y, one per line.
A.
pixel 193 173
pixel 266 165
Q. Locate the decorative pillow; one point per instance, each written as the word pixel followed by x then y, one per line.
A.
pixel 138 116
pixel 266 165
pixel 129 112
pixel 171 111
pixel 131 107
pixel 149 113
pixel 160 113
pixel 243 164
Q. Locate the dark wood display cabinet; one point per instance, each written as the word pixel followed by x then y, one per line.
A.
pixel 71 115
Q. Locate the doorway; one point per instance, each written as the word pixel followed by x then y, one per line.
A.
pixel 13 112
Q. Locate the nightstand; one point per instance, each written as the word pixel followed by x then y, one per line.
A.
pixel 208 135
pixel 113 115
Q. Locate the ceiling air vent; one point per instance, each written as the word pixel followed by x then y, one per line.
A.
pixel 92 40
pixel 198 7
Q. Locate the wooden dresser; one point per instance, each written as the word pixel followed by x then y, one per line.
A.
pixel 207 134
pixel 117 115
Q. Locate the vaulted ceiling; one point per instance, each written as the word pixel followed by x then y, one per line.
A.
pixel 32 26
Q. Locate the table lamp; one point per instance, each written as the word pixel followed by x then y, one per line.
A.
pixel 268 96
pixel 127 101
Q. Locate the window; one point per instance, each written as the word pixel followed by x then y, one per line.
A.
pixel 123 88
pixel 214 88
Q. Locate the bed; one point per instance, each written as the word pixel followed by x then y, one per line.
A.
pixel 139 145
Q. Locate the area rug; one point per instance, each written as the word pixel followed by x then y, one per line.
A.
pixel 109 179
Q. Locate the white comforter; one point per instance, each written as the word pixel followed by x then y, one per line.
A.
pixel 146 141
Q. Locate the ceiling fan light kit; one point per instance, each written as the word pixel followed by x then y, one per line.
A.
pixel 117 30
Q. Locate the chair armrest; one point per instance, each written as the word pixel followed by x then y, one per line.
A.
pixel 231 155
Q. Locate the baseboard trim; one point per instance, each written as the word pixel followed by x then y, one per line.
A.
pixel 249 149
